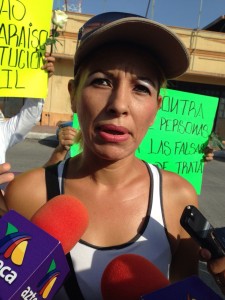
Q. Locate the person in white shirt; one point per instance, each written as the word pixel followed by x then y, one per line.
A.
pixel 16 128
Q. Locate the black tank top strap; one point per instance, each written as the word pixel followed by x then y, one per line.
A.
pixel 52 185
pixel 51 180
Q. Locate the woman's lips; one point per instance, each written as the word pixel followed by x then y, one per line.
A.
pixel 112 133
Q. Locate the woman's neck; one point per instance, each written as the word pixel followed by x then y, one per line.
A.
pixel 104 171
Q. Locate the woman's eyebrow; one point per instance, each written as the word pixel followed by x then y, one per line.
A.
pixel 147 80
pixel 111 76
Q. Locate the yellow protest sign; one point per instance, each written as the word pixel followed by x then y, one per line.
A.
pixel 24 28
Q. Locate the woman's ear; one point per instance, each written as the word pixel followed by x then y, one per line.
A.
pixel 160 99
pixel 159 103
pixel 71 89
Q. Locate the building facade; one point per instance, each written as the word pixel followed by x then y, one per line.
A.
pixel 206 74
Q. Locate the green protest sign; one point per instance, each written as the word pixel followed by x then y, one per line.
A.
pixel 74 149
pixel 180 133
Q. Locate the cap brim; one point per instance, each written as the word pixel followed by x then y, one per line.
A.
pixel 162 42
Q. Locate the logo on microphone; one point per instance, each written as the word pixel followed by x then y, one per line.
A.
pixel 14 244
pixel 46 283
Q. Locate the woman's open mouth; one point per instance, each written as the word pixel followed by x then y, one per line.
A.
pixel 112 133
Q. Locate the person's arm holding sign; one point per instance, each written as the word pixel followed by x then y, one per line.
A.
pixel 5 177
pixel 66 137
pixel 208 151
pixel 16 128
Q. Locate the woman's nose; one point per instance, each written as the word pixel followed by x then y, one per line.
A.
pixel 119 102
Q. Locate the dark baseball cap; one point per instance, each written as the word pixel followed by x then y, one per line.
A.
pixel 163 43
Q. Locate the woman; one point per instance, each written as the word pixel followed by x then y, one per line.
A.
pixel 121 63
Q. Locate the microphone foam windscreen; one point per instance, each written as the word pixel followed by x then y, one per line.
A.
pixel 130 276
pixel 65 218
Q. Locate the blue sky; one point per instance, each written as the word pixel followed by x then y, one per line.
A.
pixel 182 13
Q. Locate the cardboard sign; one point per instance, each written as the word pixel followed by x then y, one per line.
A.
pixel 32 263
pixel 179 135
pixel 24 28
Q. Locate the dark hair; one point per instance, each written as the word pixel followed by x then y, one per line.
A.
pixel 158 70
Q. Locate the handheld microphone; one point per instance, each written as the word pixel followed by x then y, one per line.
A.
pixel 32 260
pixel 132 277
pixel 129 276
pixel 65 218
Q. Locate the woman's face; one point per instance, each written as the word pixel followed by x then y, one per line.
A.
pixel 116 101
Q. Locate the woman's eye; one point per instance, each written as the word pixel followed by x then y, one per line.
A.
pixel 142 89
pixel 100 81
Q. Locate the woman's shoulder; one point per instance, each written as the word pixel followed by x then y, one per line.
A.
pixel 30 175
pixel 178 188
pixel 177 193
pixel 27 192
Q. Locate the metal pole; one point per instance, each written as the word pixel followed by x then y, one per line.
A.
pixel 152 10
pixel 199 14
pixel 146 14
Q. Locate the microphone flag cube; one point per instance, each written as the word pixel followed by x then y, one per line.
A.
pixel 192 288
pixel 32 262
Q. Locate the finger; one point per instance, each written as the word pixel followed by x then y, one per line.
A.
pixel 68 128
pixel 65 142
pixel 6 177
pixel 217 266
pixel 48 66
pixel 69 131
pixel 49 69
pixel 69 134
pixel 209 156
pixel 49 58
pixel 205 254
pixel 5 167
